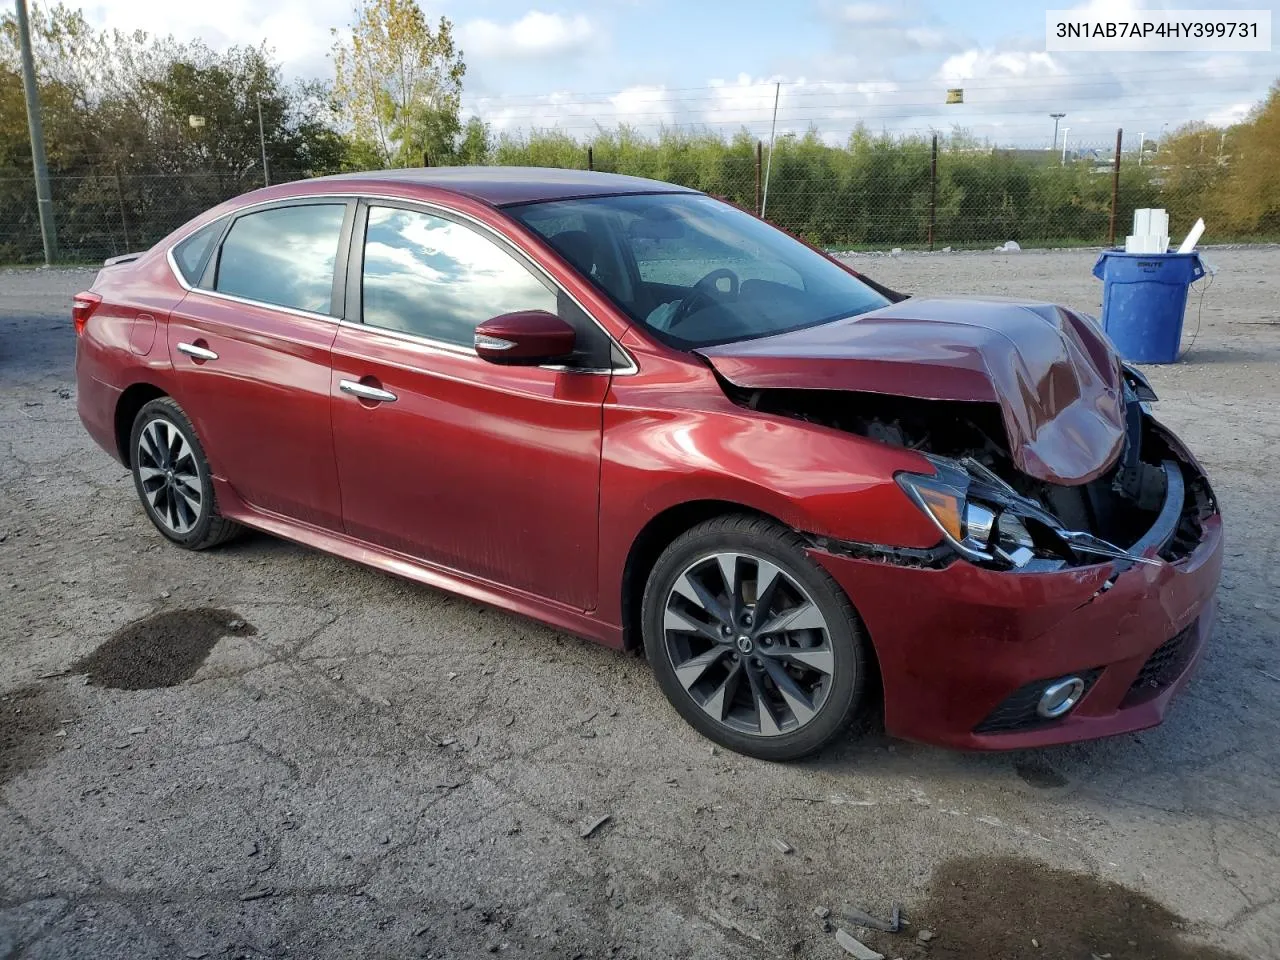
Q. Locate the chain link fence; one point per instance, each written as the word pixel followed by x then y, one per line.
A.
pixel 890 194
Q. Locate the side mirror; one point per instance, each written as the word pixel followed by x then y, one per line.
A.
pixel 525 338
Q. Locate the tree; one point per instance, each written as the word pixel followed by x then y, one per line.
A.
pixel 399 83
pixel 477 143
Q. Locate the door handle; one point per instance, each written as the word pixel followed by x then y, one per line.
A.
pixel 198 353
pixel 366 392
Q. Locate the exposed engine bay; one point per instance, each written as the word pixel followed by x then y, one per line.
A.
pixel 992 513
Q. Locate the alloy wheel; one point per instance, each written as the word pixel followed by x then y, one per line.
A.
pixel 170 476
pixel 748 644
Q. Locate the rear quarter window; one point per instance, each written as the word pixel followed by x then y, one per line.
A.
pixel 192 254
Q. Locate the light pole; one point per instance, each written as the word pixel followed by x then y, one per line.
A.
pixel 262 139
pixel 44 199
pixel 1056 118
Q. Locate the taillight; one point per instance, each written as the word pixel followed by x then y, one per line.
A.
pixel 82 309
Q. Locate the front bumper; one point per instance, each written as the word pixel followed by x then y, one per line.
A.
pixel 956 645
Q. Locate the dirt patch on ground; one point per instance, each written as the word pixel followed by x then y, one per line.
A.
pixel 994 907
pixel 30 718
pixel 161 650
pixel 1038 773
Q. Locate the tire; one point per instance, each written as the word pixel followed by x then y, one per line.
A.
pixel 173 480
pixel 740 688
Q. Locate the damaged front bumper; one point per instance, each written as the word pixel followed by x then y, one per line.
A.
pixel 964 650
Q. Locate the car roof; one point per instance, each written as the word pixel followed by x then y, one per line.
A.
pixel 503 186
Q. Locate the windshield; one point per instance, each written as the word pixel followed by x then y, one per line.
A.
pixel 695 271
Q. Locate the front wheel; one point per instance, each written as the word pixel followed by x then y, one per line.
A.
pixel 752 642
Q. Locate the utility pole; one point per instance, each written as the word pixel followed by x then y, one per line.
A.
pixel 1142 143
pixel 1065 131
pixel 768 166
pixel 262 139
pixel 44 199
pixel 1056 118
pixel 1115 189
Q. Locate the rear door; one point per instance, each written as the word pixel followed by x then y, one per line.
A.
pixel 489 470
pixel 251 347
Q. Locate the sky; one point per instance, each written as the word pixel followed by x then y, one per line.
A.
pixel 573 64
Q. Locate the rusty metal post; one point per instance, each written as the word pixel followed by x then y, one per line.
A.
pixel 591 159
pixel 933 191
pixel 759 170
pixel 1115 189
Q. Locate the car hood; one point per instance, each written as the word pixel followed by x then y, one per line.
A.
pixel 1054 375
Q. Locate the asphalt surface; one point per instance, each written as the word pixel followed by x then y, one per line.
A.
pixel 262 751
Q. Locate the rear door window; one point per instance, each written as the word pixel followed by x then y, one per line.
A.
pixel 283 256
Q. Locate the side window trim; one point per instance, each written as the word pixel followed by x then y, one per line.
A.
pixel 337 296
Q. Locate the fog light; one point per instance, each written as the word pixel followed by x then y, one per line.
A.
pixel 1059 697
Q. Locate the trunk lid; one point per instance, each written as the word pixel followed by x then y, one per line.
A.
pixel 1054 375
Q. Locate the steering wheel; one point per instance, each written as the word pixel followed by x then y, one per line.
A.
pixel 705 290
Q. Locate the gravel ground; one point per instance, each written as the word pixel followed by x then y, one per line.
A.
pixel 262 751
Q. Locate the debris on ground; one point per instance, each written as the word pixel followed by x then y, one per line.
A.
pixel 259 894
pixel 734 925
pixel 855 947
pixel 821 912
pixel 924 936
pixel 782 846
pixel 864 919
pixel 595 825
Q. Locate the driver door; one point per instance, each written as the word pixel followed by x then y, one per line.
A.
pixel 491 471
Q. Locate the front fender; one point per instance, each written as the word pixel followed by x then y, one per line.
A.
pixel 813 478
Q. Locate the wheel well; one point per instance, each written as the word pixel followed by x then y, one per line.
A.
pixel 131 401
pixel 648 546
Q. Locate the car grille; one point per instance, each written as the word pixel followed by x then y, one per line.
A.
pixel 1018 710
pixel 1164 666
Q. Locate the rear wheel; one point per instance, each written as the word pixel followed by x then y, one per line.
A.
pixel 752 642
pixel 172 477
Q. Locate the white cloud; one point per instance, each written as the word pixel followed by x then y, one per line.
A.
pixel 974 64
pixel 297 30
pixel 534 35
pixel 1231 114
pixel 869 13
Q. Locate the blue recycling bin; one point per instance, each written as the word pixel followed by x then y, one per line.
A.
pixel 1144 296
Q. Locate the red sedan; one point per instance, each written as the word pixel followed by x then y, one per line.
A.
pixel 643 416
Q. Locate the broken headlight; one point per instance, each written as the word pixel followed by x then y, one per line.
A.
pixel 985 519
pixel 978 530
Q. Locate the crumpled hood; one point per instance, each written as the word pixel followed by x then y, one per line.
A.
pixel 1055 376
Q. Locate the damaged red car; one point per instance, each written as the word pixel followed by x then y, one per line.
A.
pixel 646 417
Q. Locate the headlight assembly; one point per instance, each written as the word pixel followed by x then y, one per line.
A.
pixel 977 530
pixel 986 520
